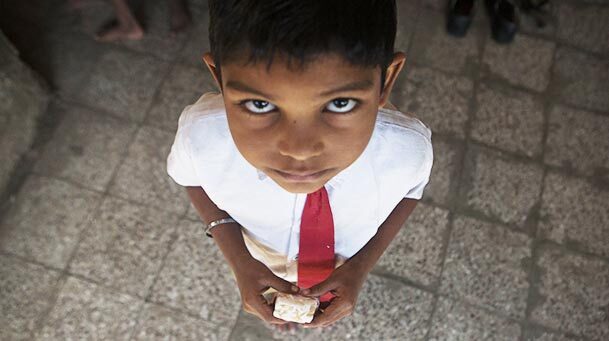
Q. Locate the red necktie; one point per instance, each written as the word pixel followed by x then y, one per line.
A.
pixel 316 250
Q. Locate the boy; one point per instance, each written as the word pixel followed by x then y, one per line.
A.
pixel 301 165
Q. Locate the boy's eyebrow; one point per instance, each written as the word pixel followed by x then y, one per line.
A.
pixel 359 85
pixel 236 85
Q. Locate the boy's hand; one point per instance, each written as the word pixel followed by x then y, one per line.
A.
pixel 345 282
pixel 253 279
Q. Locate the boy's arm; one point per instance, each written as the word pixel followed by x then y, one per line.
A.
pixel 346 280
pixel 253 277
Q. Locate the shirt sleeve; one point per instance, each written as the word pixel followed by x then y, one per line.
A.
pixel 423 175
pixel 179 162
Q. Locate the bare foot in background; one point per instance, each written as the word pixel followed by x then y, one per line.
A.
pixel 126 28
pixel 117 32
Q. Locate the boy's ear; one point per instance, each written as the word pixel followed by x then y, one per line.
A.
pixel 211 66
pixel 393 70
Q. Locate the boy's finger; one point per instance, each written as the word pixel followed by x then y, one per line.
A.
pixel 283 285
pixel 265 312
pixel 319 289
pixel 331 314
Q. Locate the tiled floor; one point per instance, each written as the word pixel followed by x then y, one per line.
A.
pixel 511 241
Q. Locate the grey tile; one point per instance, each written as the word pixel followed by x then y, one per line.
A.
pixel 443 181
pixel 573 293
pixel 197 278
pixel 46 220
pixel 528 22
pixel 581 79
pixel 197 43
pixel 192 214
pixel 143 175
pixel 26 292
pixel 484 266
pixel 168 106
pixel 578 139
pixel 158 323
pixel 433 46
pixel 583 25
pixel 416 252
pixel 458 321
pixel 124 83
pixel 533 334
pixel 197 79
pixel 183 87
pixel 250 328
pixel 525 62
pixel 575 212
pixel 441 101
pixel 85 311
pixel 500 187
pixel 66 60
pixel 86 148
pixel 508 119
pixel 408 13
pixel 124 246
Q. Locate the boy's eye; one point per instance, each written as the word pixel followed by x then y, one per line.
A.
pixel 259 107
pixel 342 105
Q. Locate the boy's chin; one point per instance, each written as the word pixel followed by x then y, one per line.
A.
pixel 300 187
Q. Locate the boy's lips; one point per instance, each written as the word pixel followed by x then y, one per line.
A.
pixel 306 176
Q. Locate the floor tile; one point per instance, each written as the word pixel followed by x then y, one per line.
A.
pixel 143 175
pixel 46 220
pixel 581 79
pixel 26 292
pixel 484 266
pixel 573 293
pixel 441 101
pixel 508 119
pixel 446 164
pixel 85 311
pixel 124 246
pixel 525 62
pixel 575 212
pixel 578 139
pixel 500 187
pixel 196 278
pixel 459 321
pixel 433 46
pixel 86 148
pixel 416 252
pixel 584 25
pixel 124 83
pixel 158 323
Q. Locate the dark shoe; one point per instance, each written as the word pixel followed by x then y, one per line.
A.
pixel 459 17
pixel 502 15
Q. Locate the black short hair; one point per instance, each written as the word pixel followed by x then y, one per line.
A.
pixel 361 31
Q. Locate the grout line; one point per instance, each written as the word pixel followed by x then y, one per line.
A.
pixel 460 174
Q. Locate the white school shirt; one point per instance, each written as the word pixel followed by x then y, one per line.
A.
pixel 395 164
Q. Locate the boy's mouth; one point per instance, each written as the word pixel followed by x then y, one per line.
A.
pixel 302 176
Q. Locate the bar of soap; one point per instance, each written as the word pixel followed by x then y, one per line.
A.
pixel 295 308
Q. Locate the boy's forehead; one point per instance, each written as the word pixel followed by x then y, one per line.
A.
pixel 323 72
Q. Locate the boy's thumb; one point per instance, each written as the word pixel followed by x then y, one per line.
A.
pixel 284 286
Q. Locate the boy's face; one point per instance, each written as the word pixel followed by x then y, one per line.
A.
pixel 302 127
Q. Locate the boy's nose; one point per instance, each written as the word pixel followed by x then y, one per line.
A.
pixel 301 143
